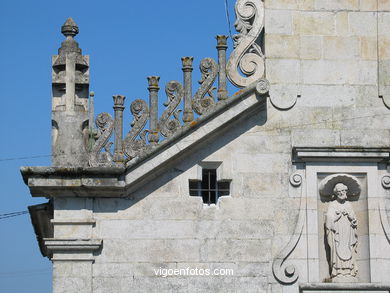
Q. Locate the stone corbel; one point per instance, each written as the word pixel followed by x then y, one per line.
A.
pixel 283 97
pixel 72 249
pixel 283 270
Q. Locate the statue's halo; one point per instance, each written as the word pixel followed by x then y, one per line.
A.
pixel 327 184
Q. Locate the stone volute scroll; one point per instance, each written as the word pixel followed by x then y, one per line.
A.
pixel 105 125
pixel 382 208
pixel 246 63
pixel 283 269
pixel 341 225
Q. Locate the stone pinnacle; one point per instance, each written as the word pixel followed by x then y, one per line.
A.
pixel 69 28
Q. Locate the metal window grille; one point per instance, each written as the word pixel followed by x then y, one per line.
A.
pixel 209 188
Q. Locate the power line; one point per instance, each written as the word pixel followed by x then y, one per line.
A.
pixel 24 273
pixel 267 129
pixel 14 214
pixel 228 19
pixel 24 158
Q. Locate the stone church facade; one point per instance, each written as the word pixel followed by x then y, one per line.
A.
pixel 282 186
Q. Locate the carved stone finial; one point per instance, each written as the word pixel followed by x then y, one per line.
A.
pixel 118 100
pixel 187 63
pixel 69 28
pixel 221 41
pixel 153 82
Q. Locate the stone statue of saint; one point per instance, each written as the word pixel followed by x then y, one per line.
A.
pixel 341 233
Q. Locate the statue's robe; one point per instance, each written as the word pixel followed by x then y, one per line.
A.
pixel 341 233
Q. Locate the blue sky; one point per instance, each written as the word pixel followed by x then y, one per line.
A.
pixel 127 41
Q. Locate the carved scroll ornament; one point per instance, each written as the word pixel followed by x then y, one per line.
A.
pixel 105 125
pixel 382 209
pixel 202 103
pixel 134 147
pixel 283 270
pixel 174 91
pixel 247 57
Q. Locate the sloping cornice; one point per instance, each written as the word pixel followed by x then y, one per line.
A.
pixel 119 181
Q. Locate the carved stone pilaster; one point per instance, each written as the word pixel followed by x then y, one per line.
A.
pixel 153 88
pixel 222 47
pixel 118 126
pixel 188 115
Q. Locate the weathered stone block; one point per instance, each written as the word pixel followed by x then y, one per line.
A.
pixel 337 4
pixel 384 47
pixel 368 48
pixel 278 22
pixel 145 250
pixel 280 4
pixel 236 250
pixel 282 46
pixel 363 23
pixel 322 137
pixel 283 70
pixel 262 163
pixel 314 23
pixel 146 229
pixel 341 47
pixel 311 47
pixel 328 95
pixel 342 23
pixel 368 5
pixel 355 137
pixel 383 5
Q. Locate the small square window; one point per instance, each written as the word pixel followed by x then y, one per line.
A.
pixel 209 188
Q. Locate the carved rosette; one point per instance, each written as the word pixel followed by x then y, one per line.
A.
pixel 174 91
pixel 202 103
pixel 134 147
pixel 105 125
pixel 247 57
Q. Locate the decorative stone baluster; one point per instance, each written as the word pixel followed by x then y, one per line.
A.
pixel 188 115
pixel 222 47
pixel 118 108
pixel 153 88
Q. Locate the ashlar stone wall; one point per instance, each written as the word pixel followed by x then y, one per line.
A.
pixel 328 65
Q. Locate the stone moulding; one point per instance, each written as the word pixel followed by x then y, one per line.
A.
pixel 67 182
pixel 283 270
pixel 361 287
pixel 345 154
pixel 72 249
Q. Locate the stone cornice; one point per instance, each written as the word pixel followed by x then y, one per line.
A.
pixel 72 249
pixel 371 287
pixel 67 182
pixel 346 154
